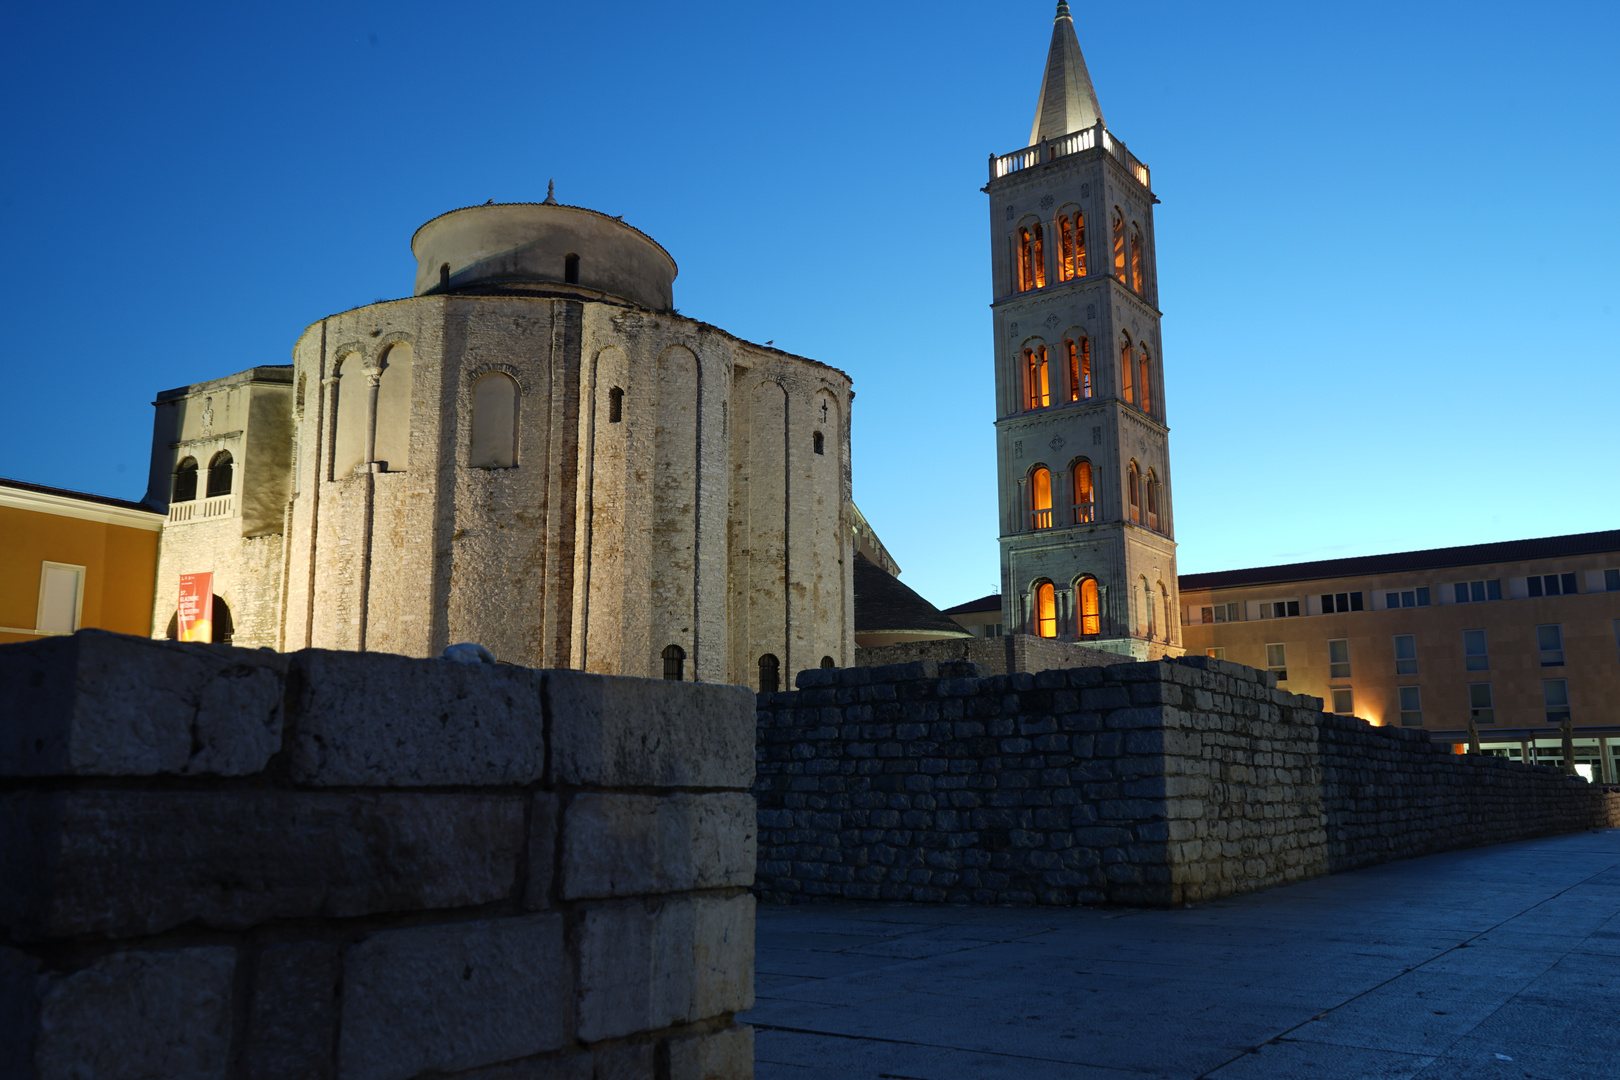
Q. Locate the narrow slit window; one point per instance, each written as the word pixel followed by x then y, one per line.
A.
pixel 1153 500
pixel 674 663
pixel 1065 249
pixel 770 674
pixel 1079 369
pixel 818 443
pixel 1136 258
pixel 570 269
pixel 1144 382
pixel 1119 244
pixel 1046 610
pixel 1084 494
pixel 1133 484
pixel 1040 498
pixel 1037 379
pixel 616 405
pixel 1127 382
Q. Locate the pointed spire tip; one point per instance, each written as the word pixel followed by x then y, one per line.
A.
pixel 551 193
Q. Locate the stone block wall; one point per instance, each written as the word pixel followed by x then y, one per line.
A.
pixel 1137 783
pixel 219 862
pixel 994 656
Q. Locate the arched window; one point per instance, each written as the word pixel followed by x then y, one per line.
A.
pixel 1040 498
pixel 1164 598
pixel 1031 258
pixel 1084 493
pixel 1079 369
pixel 616 405
pixel 1127 384
pixel 1144 380
pixel 444 275
pixel 818 443
pixel 571 269
pixel 1037 382
pixel 219 474
pixel 828 662
pixel 1133 480
pixel 218 632
pixel 392 443
pixel 494 422
pixel 1046 610
pixel 349 393
pixel 1090 610
pixel 674 663
pixel 1071 246
pixel 1136 257
pixel 185 481
pixel 1148 607
pixel 770 674
pixel 1119 244
pixel 1153 500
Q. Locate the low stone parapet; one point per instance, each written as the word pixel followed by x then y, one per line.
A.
pixel 218 862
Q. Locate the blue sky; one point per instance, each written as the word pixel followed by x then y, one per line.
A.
pixel 1386 245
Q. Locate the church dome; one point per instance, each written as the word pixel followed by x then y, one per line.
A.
pixel 515 247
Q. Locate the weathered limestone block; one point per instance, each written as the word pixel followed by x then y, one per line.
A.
pixel 644 965
pixel 452 997
pixel 379 720
pixel 727 1054
pixel 620 732
pixel 632 845
pixel 136 1015
pixel 125 863
pixel 104 704
pixel 292 1021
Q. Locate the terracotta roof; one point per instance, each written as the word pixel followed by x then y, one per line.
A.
pixel 974 607
pixel 885 605
pixel 1507 551
pixel 104 500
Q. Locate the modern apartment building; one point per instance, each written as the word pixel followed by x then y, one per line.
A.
pixel 1516 636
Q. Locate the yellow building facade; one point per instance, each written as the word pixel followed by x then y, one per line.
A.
pixel 69 560
pixel 1513 636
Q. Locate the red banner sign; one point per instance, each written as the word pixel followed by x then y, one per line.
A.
pixel 196 611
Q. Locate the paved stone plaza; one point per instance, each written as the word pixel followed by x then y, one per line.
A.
pixel 1491 962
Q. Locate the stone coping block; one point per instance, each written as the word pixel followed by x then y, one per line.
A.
pixel 96 703
pixel 612 731
pixel 128 863
pixel 377 719
pixel 631 845
pixel 721 1055
pixel 438 999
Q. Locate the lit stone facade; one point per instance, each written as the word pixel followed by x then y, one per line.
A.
pixel 536 453
pixel 1082 435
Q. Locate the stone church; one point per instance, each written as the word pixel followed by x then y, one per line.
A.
pixel 535 452
pixel 1088 547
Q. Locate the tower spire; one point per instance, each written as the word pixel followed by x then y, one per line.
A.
pixel 1067 102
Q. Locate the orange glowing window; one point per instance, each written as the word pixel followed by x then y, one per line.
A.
pixel 1136 258
pixel 1079 369
pixel 1084 493
pixel 1046 610
pixel 1065 249
pixel 1090 615
pixel 1079 244
pixel 1031 259
pixel 1133 480
pixel 1127 385
pixel 1119 244
pixel 1040 499
pixel 1037 380
pixel 1153 500
pixel 1144 382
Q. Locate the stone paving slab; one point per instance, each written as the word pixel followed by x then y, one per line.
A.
pixel 1496 962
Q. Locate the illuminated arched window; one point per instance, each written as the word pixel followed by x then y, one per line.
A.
pixel 1127 365
pixel 1031 258
pixel 1037 380
pixel 219 474
pixel 185 481
pixel 674 663
pixel 1071 246
pixel 1090 611
pixel 770 674
pixel 1136 257
pixel 1046 610
pixel 1040 498
pixel 1119 244
pixel 1144 380
pixel 1084 493
pixel 1153 500
pixel 1079 369
pixel 1133 483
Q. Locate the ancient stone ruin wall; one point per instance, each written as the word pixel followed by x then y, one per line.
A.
pixel 994 656
pixel 1151 783
pixel 218 862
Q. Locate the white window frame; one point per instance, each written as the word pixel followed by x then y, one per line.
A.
pixel 1333 697
pixel 78 597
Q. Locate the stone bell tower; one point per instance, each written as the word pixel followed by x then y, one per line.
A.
pixel 1087 527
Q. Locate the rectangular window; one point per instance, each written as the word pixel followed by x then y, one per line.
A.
pixel 1407 598
pixel 1336 602
pixel 1277 661
pixel 1216 653
pixel 1226 613
pixel 1406 654
pixel 1411 706
pixel 1552 585
pixel 1550 642
pixel 61 589
pixel 1476 656
pixel 1206 615
pixel 1611 580
pixel 1280 609
pixel 1339 659
pixel 1344 702
pixel 1480 708
pixel 1555 695
pixel 1473 592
